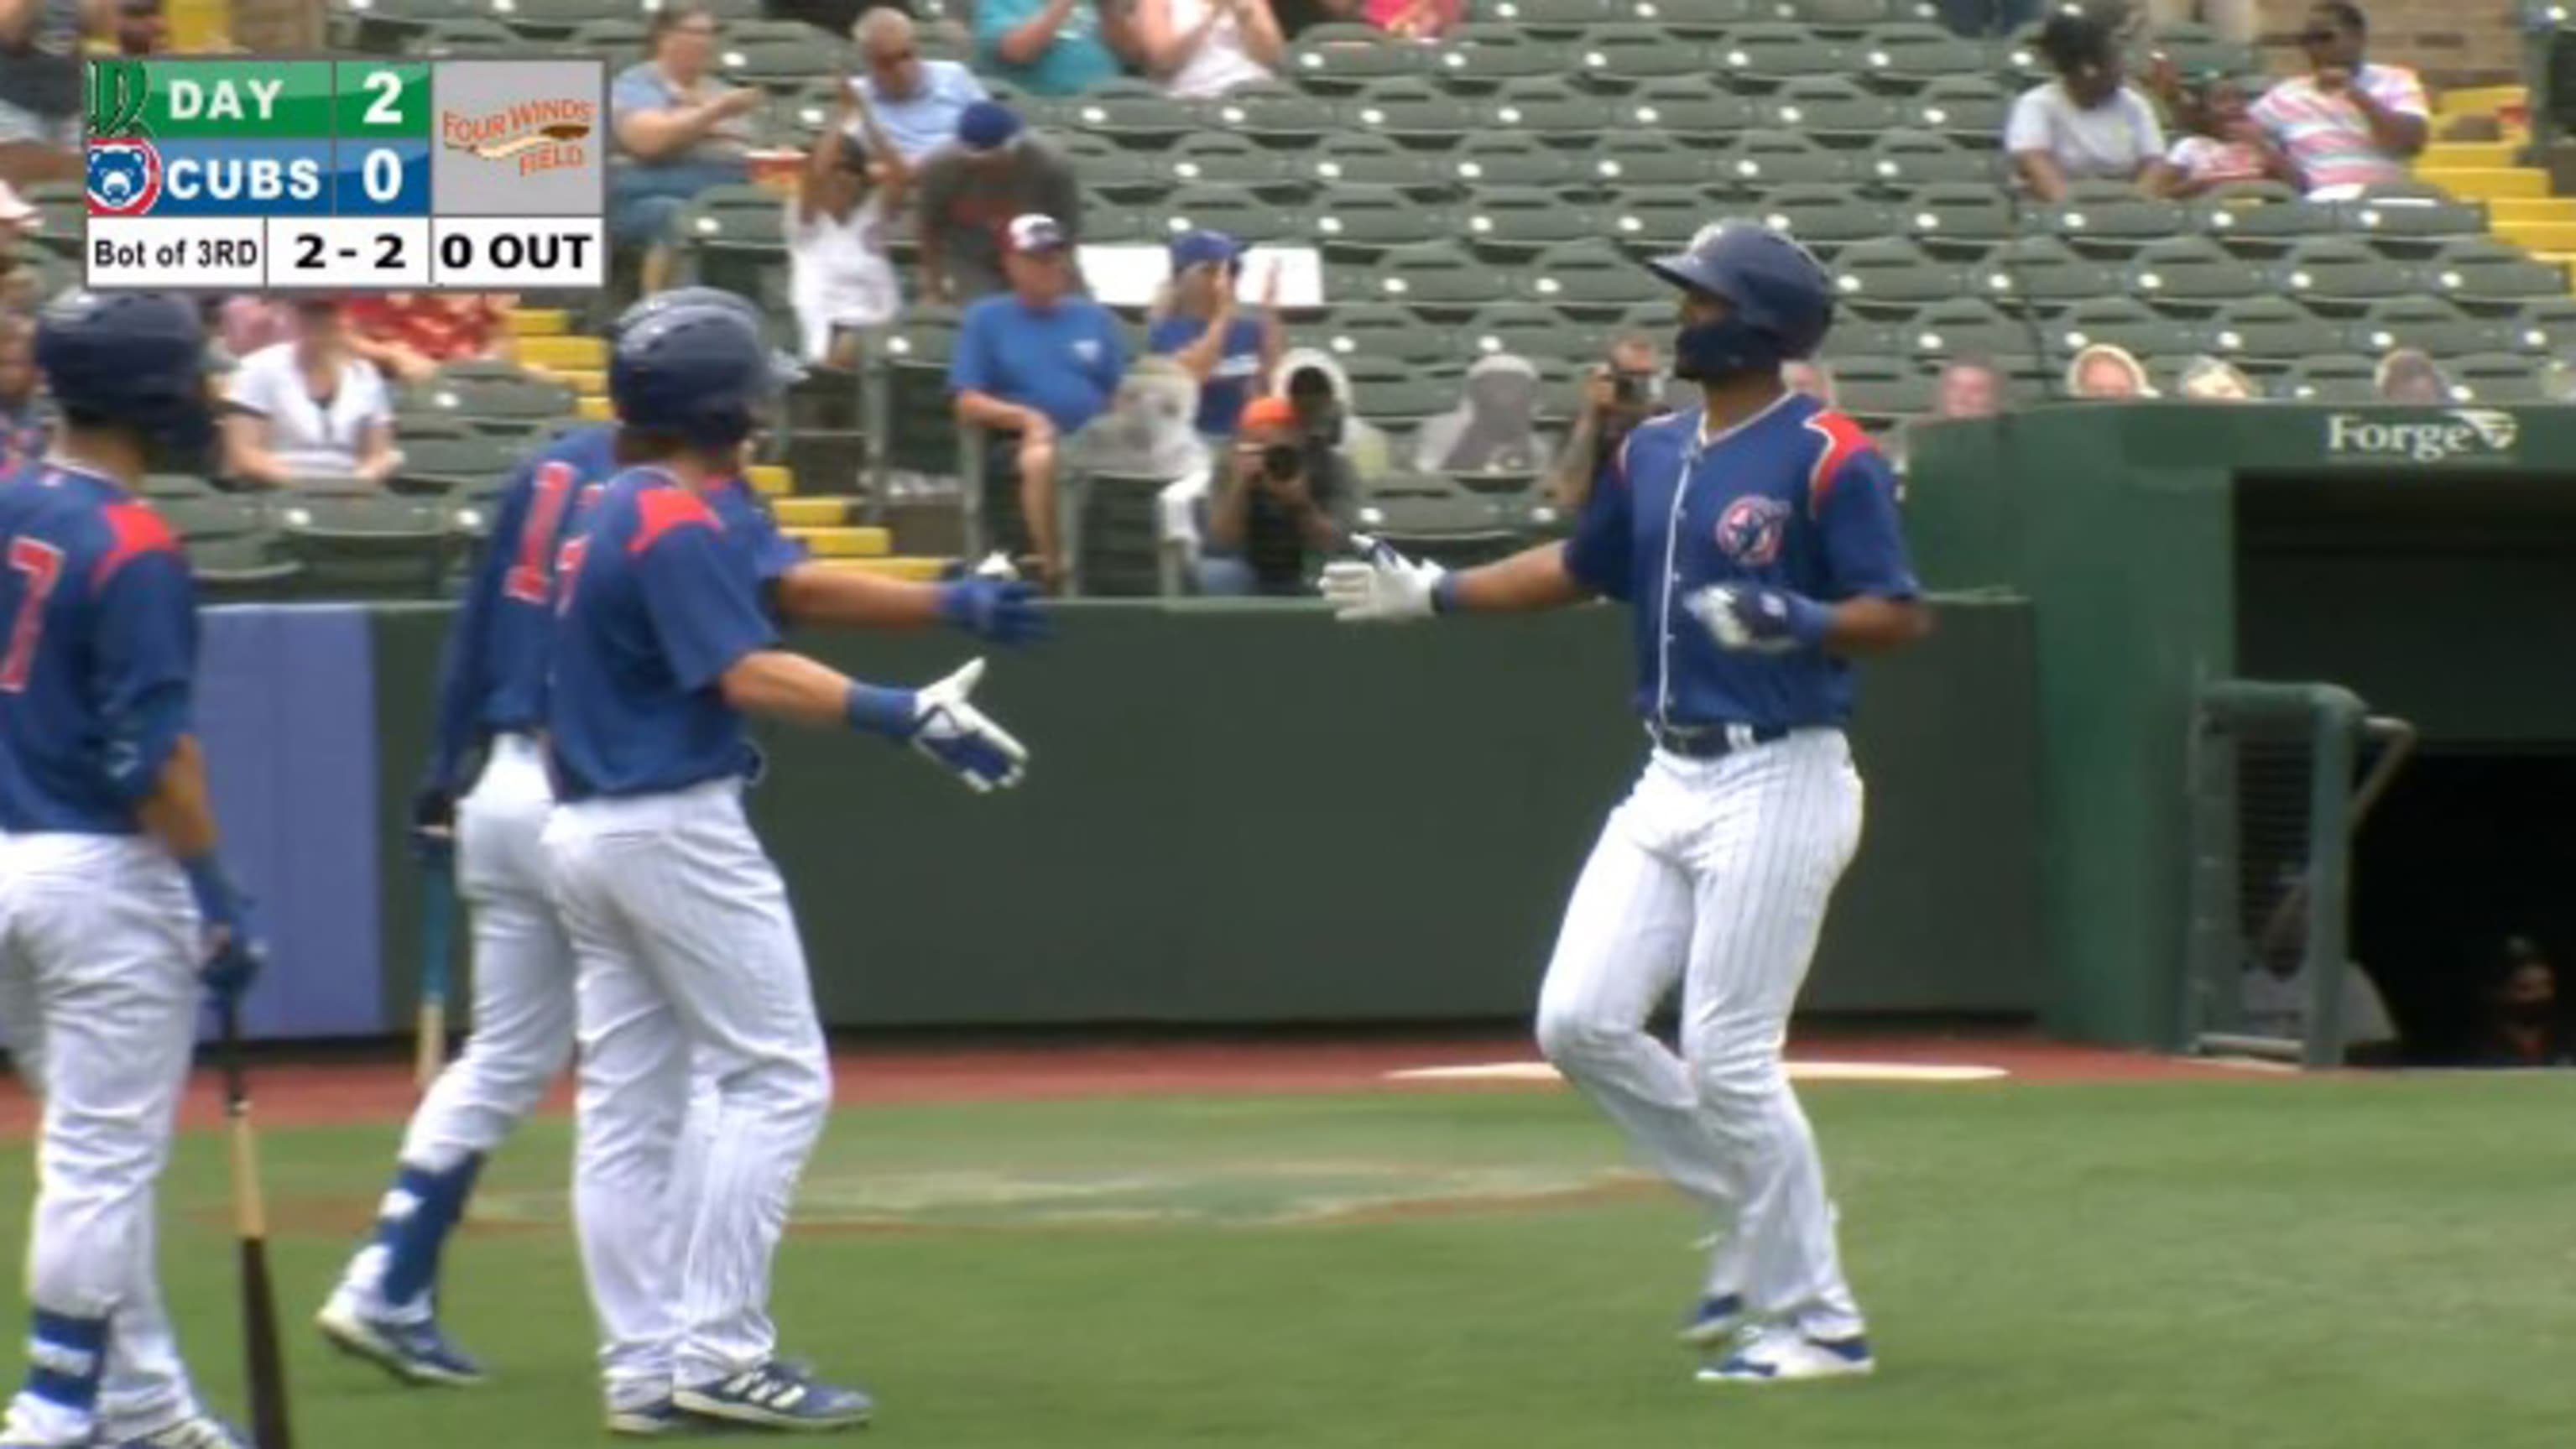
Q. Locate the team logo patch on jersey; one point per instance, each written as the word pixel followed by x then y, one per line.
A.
pixel 1750 531
pixel 124 177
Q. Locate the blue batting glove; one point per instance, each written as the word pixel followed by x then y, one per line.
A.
pixel 230 943
pixel 433 824
pixel 1760 620
pixel 1005 611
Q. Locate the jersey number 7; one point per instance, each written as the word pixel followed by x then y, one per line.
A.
pixel 41 565
pixel 526 581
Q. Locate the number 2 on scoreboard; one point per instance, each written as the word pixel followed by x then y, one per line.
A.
pixel 386 108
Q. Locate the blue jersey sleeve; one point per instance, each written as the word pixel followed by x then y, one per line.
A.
pixel 1170 334
pixel 143 654
pixel 971 365
pixel 1864 542
pixel 701 595
pixel 461 675
pixel 1600 554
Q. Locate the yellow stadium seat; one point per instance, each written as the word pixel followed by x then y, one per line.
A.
pixel 539 322
pixel 847 542
pixel 589 382
pixel 563 353
pixel 772 479
pixel 593 409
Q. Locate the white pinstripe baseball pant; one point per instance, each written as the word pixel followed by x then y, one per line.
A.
pixel 1715 874
pixel 687 952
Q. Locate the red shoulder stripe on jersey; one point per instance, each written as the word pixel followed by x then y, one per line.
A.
pixel 1843 439
pixel 660 510
pixel 134 529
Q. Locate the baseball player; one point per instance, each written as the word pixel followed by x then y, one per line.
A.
pixel 114 911
pixel 688 956
pixel 1755 541
pixel 491 699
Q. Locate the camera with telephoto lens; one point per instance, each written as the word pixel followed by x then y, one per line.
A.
pixel 1631 389
pixel 1282 461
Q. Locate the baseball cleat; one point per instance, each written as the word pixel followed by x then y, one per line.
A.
pixel 1715 1321
pixel 1780 1355
pixel 201 1432
pixel 648 1421
pixel 776 1396
pixel 416 1353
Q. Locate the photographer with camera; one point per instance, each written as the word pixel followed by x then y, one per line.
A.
pixel 1622 392
pixel 1279 500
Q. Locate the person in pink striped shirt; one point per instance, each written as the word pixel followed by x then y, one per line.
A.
pixel 2346 124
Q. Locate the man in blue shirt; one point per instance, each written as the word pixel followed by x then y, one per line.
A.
pixel 484 801
pixel 1205 332
pixel 691 971
pixel 1755 541
pixel 916 102
pixel 1039 361
pixel 1054 47
pixel 115 914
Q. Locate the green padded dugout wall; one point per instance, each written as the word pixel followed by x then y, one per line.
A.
pixel 1251 814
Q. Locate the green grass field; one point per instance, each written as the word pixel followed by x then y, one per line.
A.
pixel 2241 1263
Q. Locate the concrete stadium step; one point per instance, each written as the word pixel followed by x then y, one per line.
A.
pixel 563 352
pixel 847 542
pixel 910 568
pixel 772 479
pixel 2454 155
pixel 539 321
pixel 2531 208
pixel 2539 236
pixel 2485 183
pixel 814 512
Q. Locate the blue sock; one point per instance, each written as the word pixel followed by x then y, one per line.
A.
pixel 65 1358
pixel 420 1212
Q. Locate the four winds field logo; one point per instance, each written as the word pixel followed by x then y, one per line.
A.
pixel 2450 436
pixel 543 135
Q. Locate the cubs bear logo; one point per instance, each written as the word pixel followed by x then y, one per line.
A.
pixel 124 177
pixel 1750 530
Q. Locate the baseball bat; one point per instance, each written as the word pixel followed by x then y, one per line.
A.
pixel 265 1361
pixel 437 912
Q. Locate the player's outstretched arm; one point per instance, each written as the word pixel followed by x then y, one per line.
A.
pixel 938 720
pixel 1384 585
pixel 1002 610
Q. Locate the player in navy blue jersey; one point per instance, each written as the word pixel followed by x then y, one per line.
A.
pixel 689 962
pixel 491 703
pixel 115 914
pixel 1755 541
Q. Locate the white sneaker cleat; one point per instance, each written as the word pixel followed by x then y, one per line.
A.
pixel 1782 1355
pixel 1714 1321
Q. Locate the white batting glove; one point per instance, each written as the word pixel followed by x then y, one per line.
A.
pixel 1385 586
pixel 962 738
pixel 1758 620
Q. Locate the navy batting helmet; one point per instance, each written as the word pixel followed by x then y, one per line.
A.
pixel 1779 302
pixel 128 359
pixel 679 298
pixel 701 374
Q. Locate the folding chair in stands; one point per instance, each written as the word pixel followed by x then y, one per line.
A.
pixel 355 547
pixel 617 40
pixel 1846 19
pixel 391 27
pixel 731 233
pixel 1121 536
pixel 166 488
pixel 779 63
pixel 1879 391
pixel 1512 224
pixel 1526 329
pixel 1825 216
pixel 509 401
pixel 2411 223
pixel 2544 324
pixel 1341 58
pixel 465 39
pixel 553 22
pixel 2195 49
pixel 1234 210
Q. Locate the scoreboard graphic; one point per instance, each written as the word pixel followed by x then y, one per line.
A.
pixel 278 174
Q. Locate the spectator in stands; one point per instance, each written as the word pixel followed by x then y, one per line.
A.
pixel 838 275
pixel 1623 390
pixel 249 321
pixel 2207 379
pixel 308 408
pixel 1965 388
pixel 2346 124
pixel 918 102
pixel 26 417
pixel 408 335
pixel 1038 361
pixel 970 191
pixel 2409 375
pixel 2224 146
pixel 2107 373
pixel 1276 506
pixel 1494 428
pixel 1813 378
pixel 1055 47
pixel 2523 1028
pixel 1202 48
pixel 679 131
pixel 1415 19
pixel 1199 324
pixel 2087 124
pixel 40 87
pixel 1320 391
pixel 141 27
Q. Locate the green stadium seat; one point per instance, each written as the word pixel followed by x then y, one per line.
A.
pixel 1512 158
pixel 2112 219
pixel 549 21
pixel 2265 224
pixel 2267 333
pixel 168 487
pixel 1439 280
pixel 617 38
pixel 1966 108
pixel 2411 226
pixel 206 513
pixel 2194 274
pixel 2017 61
pixel 2428 324
pixel 1968 327
pixel 1649 220
pixel 492 393
pixel 1553 109
pixel 1907 56
pixel 1879 391
pixel 1825 215
pixel 1479 56
pixel 467 39
pixel 1764 158
pixel 2331 379
pixel 1696 19
pixel 1903 158
pixel 2544 324
pixel 389 27
pixel 2344 273
pixel 1955 218
pixel 359 547
pixel 2127 323
pixel 779 61
pixel 1415 112
pixel 1526 329
pixel 1132 113
pixel 1625 55
pixel 1357 223
pixel 1119 175
pixel 2495 377
pixel 1381 329
pixel 1355 158
pixel 1341 58
pixel 1652 158
pixel 903 380
pixel 1835 110
pixel 2195 49
pixel 1764 55
pixel 464 462
pixel 1892 276
pixel 732 233
pixel 1690 109
pixel 1440 520
pixel 1109 225
pixel 1275 114
pixel 1593 278
pixel 1846 19
pixel 2483 273
pixel 1225 158
pixel 1560 18
pixel 1513 224
pixel 1392 392
pixel 1235 210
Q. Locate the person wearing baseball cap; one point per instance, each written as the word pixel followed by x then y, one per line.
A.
pixel 1039 362
pixel 1275 507
pixel 991 171
pixel 1199 325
